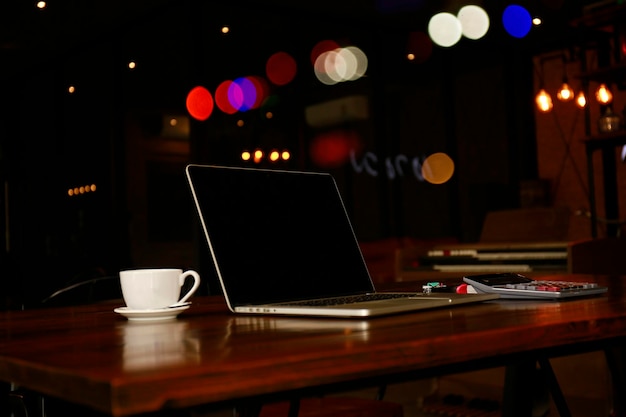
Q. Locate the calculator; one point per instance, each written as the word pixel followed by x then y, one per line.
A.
pixel 512 285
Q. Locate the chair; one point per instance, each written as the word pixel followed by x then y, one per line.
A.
pixel 22 403
pixel 85 292
pixel 536 224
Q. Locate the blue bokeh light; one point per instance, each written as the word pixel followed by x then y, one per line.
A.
pixel 517 21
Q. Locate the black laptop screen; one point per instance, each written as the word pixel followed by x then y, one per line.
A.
pixel 277 235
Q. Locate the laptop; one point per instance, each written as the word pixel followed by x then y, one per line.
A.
pixel 282 243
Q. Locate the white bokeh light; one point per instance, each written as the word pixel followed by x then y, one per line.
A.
pixel 340 65
pixel 474 22
pixel 361 62
pixel 445 29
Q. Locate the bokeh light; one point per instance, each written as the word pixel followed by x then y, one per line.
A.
pixel 261 88
pixel 445 29
pixel 517 21
pixel 199 103
pixel 245 95
pixel 332 149
pixel 321 47
pixel 280 68
pixel 543 101
pixel 221 98
pixel 340 65
pixel 581 100
pixel 419 46
pixel 438 168
pixel 474 22
pixel 603 94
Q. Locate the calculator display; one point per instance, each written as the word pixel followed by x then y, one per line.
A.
pixel 500 279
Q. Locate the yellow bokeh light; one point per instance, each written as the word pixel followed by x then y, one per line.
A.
pixel 41 4
pixel 285 155
pixel 132 65
pixel 245 155
pixel 258 155
pixel 225 29
pixel 71 89
pixel 240 123
pixel 274 155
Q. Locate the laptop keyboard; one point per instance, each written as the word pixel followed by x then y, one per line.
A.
pixel 347 300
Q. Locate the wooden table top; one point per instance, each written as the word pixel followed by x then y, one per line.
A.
pixel 95 357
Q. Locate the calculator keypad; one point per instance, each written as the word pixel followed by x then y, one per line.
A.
pixel 554 286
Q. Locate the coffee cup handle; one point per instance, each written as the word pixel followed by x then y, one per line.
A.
pixel 194 288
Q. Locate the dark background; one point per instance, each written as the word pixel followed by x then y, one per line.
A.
pixel 473 101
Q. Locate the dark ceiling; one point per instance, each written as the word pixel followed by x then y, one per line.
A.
pixel 67 23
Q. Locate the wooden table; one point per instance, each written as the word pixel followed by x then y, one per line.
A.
pixel 92 356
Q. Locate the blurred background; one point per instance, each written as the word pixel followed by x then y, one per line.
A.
pixel 423 110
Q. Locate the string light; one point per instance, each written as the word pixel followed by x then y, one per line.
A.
pixel 544 101
pixel 603 94
pixel 565 93
pixel 581 100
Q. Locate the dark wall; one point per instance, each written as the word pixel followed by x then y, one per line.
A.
pixel 470 102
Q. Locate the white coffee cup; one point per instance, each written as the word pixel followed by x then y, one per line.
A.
pixel 151 289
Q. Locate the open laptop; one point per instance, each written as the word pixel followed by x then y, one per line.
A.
pixel 282 243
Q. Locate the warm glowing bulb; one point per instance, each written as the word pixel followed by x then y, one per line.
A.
pixel 258 155
pixel 245 155
pixel 225 29
pixel 286 155
pixel 41 4
pixel 581 100
pixel 565 93
pixel 71 89
pixel 544 101
pixel 537 21
pixel 410 57
pixel 603 95
pixel 274 155
pixel 132 65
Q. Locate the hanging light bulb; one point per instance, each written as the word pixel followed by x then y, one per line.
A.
pixel 544 101
pixel 581 100
pixel 603 94
pixel 565 93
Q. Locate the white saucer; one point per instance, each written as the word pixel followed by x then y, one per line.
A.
pixel 151 315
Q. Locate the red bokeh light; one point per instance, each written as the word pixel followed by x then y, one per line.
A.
pixel 221 98
pixel 332 149
pixel 321 47
pixel 281 68
pixel 199 103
